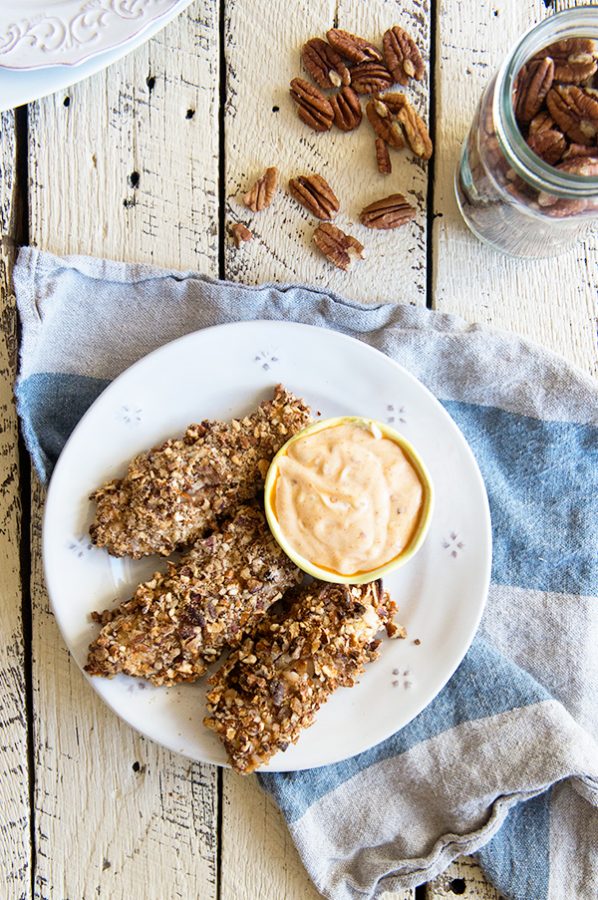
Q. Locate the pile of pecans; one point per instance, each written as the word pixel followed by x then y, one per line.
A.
pixel 556 107
pixel 351 67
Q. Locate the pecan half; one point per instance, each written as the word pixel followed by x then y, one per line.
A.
pixel 312 106
pixel 339 248
pixel 383 157
pixel 390 212
pixel 353 47
pixel 534 84
pixel 575 111
pixel 383 124
pixel 315 194
pixel 262 193
pixel 240 234
pixel 574 59
pixel 415 131
pixel 324 64
pixel 549 145
pixel 542 122
pixel 402 56
pixel 346 108
pixel 370 77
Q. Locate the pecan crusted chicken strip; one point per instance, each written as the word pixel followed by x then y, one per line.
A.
pixel 179 622
pixel 269 689
pixel 176 492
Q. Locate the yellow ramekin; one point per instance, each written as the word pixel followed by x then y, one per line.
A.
pixel 396 562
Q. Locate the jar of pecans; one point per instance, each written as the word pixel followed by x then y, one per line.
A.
pixel 527 182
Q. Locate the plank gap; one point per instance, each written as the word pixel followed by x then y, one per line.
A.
pixel 431 162
pixel 219 830
pixel 21 237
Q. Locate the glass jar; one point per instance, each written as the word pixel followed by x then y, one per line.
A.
pixel 510 197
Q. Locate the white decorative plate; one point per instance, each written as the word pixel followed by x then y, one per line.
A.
pixel 39 33
pixel 225 371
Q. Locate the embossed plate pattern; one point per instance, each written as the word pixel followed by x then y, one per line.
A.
pixel 225 371
pixel 40 33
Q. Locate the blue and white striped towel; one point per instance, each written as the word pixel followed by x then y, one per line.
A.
pixel 504 762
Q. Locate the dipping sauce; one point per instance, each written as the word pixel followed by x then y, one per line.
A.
pixel 347 498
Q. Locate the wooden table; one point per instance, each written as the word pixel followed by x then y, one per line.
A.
pixel 147 161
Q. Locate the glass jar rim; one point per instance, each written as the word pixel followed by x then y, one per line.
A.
pixel 579 21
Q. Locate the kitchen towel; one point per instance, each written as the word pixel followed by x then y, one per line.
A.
pixel 504 762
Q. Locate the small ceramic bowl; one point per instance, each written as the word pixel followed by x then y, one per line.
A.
pixel 396 562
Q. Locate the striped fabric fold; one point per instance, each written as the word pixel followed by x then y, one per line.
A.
pixel 504 762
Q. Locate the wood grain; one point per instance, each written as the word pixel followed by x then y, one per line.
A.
pixel 549 301
pixel 126 165
pixel 262 129
pixel 15 847
pixel 263 43
pixel 143 820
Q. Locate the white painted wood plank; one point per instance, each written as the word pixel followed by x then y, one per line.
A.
pixel 15 849
pixel 550 302
pixel 263 44
pixel 117 816
pixel 463 878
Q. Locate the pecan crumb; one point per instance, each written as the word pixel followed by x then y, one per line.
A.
pixel 240 234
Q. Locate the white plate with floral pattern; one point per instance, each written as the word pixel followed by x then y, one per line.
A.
pixel 39 33
pixel 223 372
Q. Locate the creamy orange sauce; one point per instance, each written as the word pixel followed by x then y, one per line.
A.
pixel 347 498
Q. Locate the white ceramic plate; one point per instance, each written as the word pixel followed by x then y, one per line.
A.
pixel 223 372
pixel 20 86
pixel 39 33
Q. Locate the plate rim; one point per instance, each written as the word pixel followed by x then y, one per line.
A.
pixel 78 59
pixel 277 324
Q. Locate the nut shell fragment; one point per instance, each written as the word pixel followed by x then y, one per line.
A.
pixel 324 64
pixel 312 106
pixel 390 212
pixel 316 195
pixel 338 248
pixel 262 193
pixel 402 55
pixel 353 47
pixel 347 109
